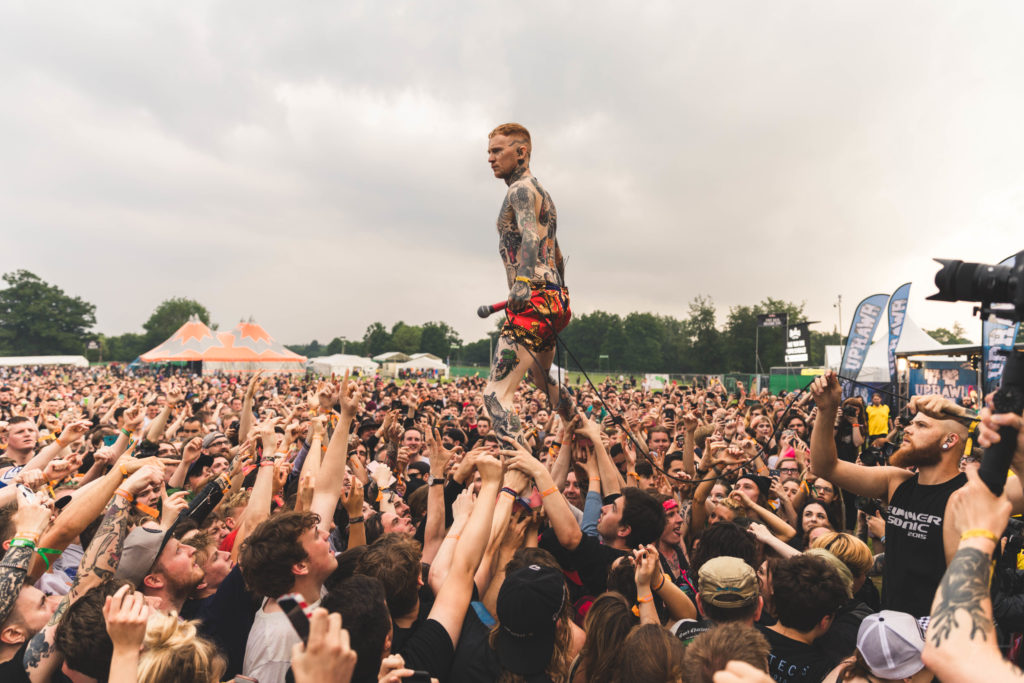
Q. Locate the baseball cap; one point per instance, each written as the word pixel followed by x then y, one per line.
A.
pixel 141 548
pixel 528 606
pixel 891 644
pixel 727 582
pixel 212 438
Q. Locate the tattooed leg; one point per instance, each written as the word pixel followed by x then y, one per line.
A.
pixel 558 394
pixel 507 369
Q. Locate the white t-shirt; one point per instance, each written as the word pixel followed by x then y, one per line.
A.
pixel 268 651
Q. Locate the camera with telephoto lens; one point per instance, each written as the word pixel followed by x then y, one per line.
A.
pixel 966 281
pixel 1000 291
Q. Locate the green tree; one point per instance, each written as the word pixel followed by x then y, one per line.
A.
pixel 646 335
pixel 406 338
pixel 124 347
pixel 376 340
pixel 958 335
pixel 337 345
pixel 706 354
pixel 170 315
pixel 439 339
pixel 37 318
pixel 741 333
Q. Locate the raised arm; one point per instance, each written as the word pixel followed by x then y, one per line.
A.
pixel 873 482
pixel 332 470
pixel 560 468
pixel 29 522
pixel 961 643
pixel 433 532
pixel 453 599
pixel 98 564
pixel 560 516
pixel 611 479
pixel 689 443
pixel 156 428
pixel 246 418
pixel 89 502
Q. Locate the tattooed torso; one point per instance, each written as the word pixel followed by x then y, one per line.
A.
pixel 548 257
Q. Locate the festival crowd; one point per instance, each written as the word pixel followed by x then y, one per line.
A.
pixel 165 526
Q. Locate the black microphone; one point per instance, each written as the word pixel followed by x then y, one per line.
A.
pixel 488 309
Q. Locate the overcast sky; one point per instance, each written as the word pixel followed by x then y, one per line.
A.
pixel 322 165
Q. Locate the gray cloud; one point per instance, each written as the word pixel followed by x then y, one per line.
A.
pixel 321 166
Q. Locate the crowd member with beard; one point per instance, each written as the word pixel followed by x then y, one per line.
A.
pixel 916 550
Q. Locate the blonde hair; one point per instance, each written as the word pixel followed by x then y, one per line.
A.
pixel 514 130
pixel 852 551
pixel 174 651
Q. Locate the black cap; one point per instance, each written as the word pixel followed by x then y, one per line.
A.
pixel 528 606
pixel 420 466
pixel 196 468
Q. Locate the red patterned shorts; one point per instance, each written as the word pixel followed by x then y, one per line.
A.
pixel 546 315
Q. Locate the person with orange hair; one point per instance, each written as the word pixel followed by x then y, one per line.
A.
pixel 538 301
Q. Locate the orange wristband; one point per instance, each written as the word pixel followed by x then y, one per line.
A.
pixel 548 492
pixel 124 494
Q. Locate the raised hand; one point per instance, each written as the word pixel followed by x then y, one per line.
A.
pixel 126 615
pixel 74 431
pixel 327 654
pixel 826 391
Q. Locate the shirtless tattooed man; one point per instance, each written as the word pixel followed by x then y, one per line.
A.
pixel 538 302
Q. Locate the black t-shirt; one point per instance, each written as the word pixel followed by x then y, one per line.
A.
pixel 840 640
pixel 426 647
pixel 13 670
pixel 475 660
pixel 591 560
pixel 791 661
pixel 226 618
pixel 844 442
pixel 915 558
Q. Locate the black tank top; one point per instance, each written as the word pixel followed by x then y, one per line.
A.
pixel 915 558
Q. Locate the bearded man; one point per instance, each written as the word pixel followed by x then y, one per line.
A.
pixel 917 544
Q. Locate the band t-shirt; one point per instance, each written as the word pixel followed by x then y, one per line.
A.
pixel 915 558
pixel 791 661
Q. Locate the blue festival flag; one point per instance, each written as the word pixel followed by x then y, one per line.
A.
pixel 862 331
pixel 897 314
pixel 997 335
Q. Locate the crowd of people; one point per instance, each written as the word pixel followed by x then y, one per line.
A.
pixel 165 526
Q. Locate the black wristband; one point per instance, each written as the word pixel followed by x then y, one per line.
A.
pixel 355 520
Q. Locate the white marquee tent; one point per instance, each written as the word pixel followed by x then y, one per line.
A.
pixel 423 363
pixel 11 361
pixel 338 363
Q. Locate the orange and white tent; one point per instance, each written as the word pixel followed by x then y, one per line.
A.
pixel 246 348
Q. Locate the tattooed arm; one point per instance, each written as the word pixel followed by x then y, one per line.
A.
pixel 523 200
pixel 98 564
pixel 961 642
pixel 30 521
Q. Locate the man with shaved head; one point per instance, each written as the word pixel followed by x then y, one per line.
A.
pixel 917 544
